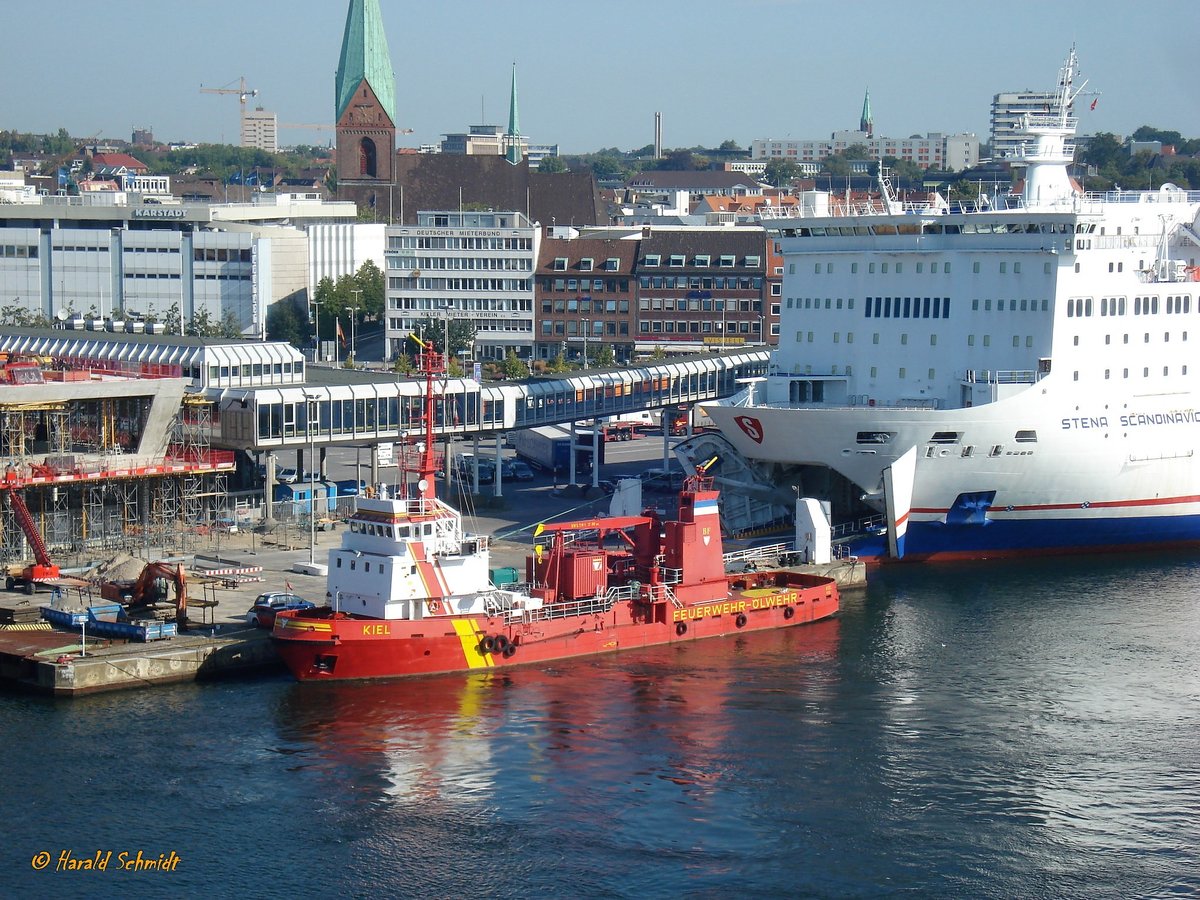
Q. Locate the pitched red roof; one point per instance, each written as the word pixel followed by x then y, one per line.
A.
pixel 118 160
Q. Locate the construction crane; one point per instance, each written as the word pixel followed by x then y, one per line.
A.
pixel 307 125
pixel 243 94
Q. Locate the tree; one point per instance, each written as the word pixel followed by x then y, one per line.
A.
pixel 324 299
pixel 230 326
pixel 729 146
pixel 369 279
pixel 835 165
pixel 283 324
pixel 552 165
pixel 462 333
pixel 1104 149
pixel 781 172
pixel 513 368
pixel 558 365
pixel 607 166
pixel 604 357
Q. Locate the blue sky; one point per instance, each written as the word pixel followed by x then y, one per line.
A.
pixel 592 74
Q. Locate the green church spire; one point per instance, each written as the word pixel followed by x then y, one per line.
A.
pixel 866 123
pixel 365 55
pixel 513 135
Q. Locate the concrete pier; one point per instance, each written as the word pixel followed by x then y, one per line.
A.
pixel 54 662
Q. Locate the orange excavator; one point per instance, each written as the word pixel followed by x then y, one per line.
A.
pixel 152 586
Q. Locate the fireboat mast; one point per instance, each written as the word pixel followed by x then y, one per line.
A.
pixel 430 363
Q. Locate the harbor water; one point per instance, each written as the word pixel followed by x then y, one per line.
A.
pixel 990 730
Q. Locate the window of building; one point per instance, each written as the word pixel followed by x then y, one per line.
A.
pixel 560 264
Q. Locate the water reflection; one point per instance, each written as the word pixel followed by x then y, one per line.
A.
pixel 664 714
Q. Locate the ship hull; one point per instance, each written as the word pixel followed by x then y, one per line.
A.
pixel 323 646
pixel 1084 479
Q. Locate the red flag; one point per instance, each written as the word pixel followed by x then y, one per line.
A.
pixel 1094 102
pixel 341 335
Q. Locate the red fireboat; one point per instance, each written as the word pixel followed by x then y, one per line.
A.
pixel 412 596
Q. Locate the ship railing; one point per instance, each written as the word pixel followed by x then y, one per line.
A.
pixel 858 526
pixel 588 606
pixel 670 575
pixel 757 554
pixel 1000 376
pixel 657 593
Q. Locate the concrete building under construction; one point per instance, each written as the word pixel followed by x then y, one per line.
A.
pixel 105 456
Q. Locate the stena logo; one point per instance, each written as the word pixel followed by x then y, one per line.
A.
pixel 752 427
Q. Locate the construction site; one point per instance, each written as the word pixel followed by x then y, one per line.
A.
pixel 101 460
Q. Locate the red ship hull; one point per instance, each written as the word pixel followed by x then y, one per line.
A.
pixel 321 645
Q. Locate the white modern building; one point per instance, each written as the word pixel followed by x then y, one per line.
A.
pixel 342 249
pixel 120 255
pixel 953 152
pixel 260 129
pixel 476 266
pixel 1008 109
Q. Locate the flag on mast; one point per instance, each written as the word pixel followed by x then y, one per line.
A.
pixel 341 335
pixel 1093 106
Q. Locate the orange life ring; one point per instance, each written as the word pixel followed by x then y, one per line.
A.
pixel 435 606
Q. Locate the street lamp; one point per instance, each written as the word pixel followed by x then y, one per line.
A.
pixel 316 305
pixel 353 310
pixel 586 327
pixel 311 402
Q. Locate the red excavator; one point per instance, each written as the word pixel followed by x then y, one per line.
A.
pixel 42 569
pixel 151 586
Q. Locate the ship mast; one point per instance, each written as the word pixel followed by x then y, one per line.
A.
pixel 429 363
pixel 1050 151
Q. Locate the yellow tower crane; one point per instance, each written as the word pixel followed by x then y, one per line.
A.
pixel 243 94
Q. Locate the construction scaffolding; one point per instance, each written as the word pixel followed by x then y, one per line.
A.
pixel 71 461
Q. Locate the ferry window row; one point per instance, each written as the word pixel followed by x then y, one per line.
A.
pixel 1082 307
pixel 1013 305
pixel 815 303
pixel 1145 372
pixel 908 307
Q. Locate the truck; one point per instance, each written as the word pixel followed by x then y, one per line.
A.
pixel 548 447
pixel 680 416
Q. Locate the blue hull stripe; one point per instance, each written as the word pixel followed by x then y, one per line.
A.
pixel 924 539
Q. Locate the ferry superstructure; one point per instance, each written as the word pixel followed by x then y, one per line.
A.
pixel 1018 376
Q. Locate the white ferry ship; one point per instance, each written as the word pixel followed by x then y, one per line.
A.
pixel 1017 377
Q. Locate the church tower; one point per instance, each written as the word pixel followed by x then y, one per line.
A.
pixel 512 137
pixel 866 124
pixel 365 115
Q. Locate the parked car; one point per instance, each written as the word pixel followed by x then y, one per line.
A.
pixel 516 470
pixel 290 476
pixel 262 613
pixel 662 480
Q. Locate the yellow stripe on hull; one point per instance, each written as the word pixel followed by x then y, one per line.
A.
pixel 468 634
